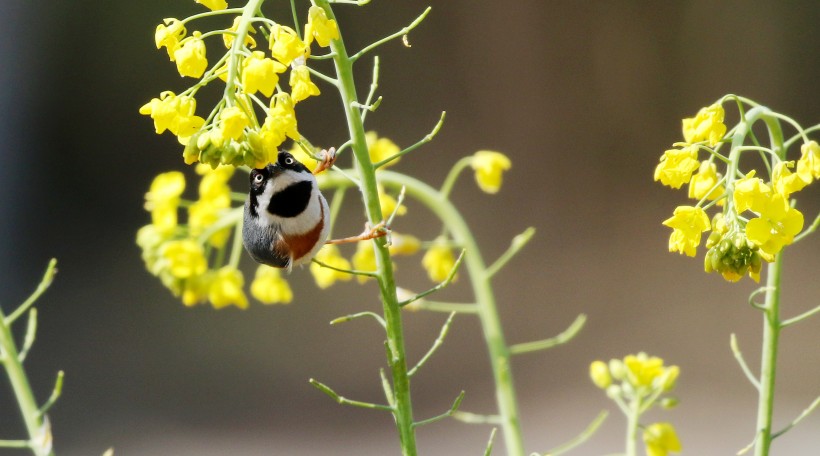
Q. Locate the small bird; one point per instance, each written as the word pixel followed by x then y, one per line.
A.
pixel 287 219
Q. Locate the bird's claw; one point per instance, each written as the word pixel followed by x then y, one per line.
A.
pixel 328 159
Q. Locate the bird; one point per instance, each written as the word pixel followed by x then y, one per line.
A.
pixel 286 218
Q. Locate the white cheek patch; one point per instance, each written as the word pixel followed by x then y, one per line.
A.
pixel 299 224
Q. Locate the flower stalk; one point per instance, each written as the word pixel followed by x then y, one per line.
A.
pixel 33 415
pixel 403 408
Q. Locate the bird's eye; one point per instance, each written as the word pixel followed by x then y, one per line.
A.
pixel 289 160
pixel 258 178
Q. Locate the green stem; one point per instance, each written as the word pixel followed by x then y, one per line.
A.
pixel 403 411
pixel 632 427
pixel 438 203
pixel 771 335
pixel 248 13
pixel 29 409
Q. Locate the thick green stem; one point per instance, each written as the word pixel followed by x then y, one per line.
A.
pixel 632 427
pixel 482 289
pixel 29 409
pixel 768 366
pixel 384 267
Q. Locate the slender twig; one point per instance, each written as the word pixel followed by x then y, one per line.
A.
pixel 354 316
pixel 345 401
pixel 15 444
pixel 476 418
pixel 48 278
pixel 346 271
pixel 800 317
pixel 374 84
pixel 446 307
pixel 580 438
pixel 446 414
pixel 811 229
pixel 544 344
pixel 426 139
pixel 436 344
pixel 31 332
pixel 799 418
pixel 517 244
pixel 55 394
pixel 401 32
pixel 489 448
pixel 332 81
pixel 743 366
pixel 450 277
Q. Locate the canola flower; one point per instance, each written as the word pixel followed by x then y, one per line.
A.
pixel 756 214
pixel 637 383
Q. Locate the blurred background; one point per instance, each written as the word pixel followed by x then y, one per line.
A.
pixel 582 96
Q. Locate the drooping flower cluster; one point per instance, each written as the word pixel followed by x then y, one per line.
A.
pixel 232 135
pixel 636 383
pixel 190 258
pixel 758 216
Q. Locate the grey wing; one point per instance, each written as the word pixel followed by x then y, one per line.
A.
pixel 264 244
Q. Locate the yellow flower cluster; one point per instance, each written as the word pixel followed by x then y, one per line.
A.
pixel 232 134
pixel 189 258
pixel 640 381
pixel 758 217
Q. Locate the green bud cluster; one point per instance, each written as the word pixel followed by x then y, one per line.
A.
pixel 732 255
pixel 248 152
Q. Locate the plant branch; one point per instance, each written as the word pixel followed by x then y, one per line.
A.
pixel 743 366
pixel 517 244
pixel 436 344
pixel 401 32
pixel 544 344
pixel 345 401
pixel 446 414
pixel 427 138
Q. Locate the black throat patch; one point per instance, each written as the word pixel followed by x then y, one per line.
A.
pixel 291 201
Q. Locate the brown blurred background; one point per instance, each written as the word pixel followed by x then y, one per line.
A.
pixel 583 97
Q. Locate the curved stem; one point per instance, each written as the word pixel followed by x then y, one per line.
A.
pixel 499 353
pixel 403 411
pixel 771 336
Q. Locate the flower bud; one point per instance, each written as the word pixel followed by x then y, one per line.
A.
pixel 617 369
pixel 599 372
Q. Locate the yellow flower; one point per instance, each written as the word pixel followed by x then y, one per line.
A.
pixel 364 259
pixel 185 258
pixel 751 193
pixel 326 277
pixel 190 57
pixel 196 289
pixel 228 38
pixel 162 200
pixel 403 244
pixel 688 223
pixel 301 155
pixel 168 35
pixel 676 166
pixel 706 125
pixel 784 181
pixel 301 86
pixel 661 439
pixel 213 4
pixel 280 123
pixel 320 27
pixel 268 286
pixel 226 289
pixel 173 113
pixel 201 215
pixel 599 372
pixel 642 370
pixel 285 45
pixel 260 74
pixel 808 166
pixel 777 225
pixel 234 120
pixel 706 179
pixel 488 167
pixel 438 261
pixel 381 148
